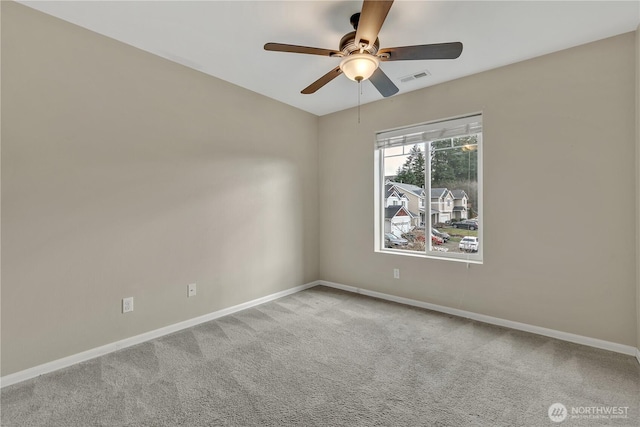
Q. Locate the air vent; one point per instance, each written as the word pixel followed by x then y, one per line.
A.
pixel 415 76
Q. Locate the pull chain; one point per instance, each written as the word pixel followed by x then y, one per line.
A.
pixel 359 93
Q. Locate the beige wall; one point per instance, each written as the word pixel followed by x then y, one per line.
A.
pixel 558 131
pixel 124 174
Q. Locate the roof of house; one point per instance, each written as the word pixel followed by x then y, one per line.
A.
pixel 459 208
pixel 390 189
pixel 459 194
pixel 438 192
pixel 391 211
pixel 418 191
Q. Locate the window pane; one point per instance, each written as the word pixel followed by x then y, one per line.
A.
pixel 394 151
pixel 465 141
pixel 454 195
pixel 442 144
pixel 404 206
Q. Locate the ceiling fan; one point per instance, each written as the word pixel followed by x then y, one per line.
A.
pixel 361 54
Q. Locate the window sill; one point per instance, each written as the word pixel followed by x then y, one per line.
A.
pixel 423 255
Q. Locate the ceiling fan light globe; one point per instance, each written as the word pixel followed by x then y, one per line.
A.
pixel 359 66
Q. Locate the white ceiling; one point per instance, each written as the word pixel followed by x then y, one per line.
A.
pixel 225 38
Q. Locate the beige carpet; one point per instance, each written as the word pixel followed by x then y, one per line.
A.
pixel 324 357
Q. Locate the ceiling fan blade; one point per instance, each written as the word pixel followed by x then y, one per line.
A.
pixel 313 87
pixel 279 47
pixel 372 17
pixel 424 51
pixel 383 83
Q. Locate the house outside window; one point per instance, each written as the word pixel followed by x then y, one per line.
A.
pixel 441 160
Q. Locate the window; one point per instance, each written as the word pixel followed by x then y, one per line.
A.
pixel 441 160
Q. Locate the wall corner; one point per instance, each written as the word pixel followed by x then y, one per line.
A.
pixel 637 51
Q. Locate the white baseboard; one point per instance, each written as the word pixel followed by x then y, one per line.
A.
pixel 564 336
pixel 45 368
pixel 638 354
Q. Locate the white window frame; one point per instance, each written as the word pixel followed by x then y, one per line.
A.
pixel 412 132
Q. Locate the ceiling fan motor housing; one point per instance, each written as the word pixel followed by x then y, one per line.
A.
pixel 348 45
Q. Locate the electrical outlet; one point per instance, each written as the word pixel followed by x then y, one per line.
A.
pixel 396 273
pixel 191 290
pixel 127 304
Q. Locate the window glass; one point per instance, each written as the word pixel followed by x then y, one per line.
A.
pixel 439 183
